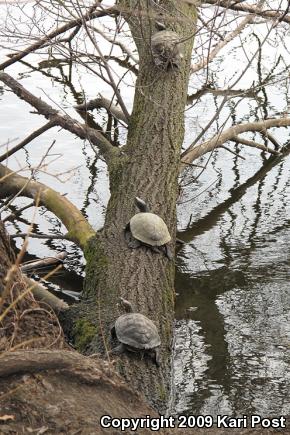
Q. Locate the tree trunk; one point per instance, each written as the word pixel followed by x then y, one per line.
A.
pixel 148 168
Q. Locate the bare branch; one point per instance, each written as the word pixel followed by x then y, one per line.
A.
pixel 27 140
pixel 219 139
pixel 271 138
pixel 204 62
pixel 109 72
pixel 251 143
pixel 107 104
pixel 92 13
pixel 245 7
pixel 48 261
pixel 64 121
pixel 115 41
pixel 79 230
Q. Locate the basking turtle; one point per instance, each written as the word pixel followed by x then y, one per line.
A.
pixel 166 51
pixel 148 229
pixel 136 333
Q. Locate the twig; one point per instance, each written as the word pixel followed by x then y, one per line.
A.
pixel 254 144
pixel 28 139
pixel 48 38
pixel 17 212
pixel 245 7
pixel 233 152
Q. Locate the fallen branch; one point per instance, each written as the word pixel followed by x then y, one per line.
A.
pixel 48 261
pixel 41 294
pixel 40 236
pixel 208 89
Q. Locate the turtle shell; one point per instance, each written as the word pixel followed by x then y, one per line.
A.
pixel 137 331
pixel 150 229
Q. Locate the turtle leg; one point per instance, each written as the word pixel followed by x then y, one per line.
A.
pixel 168 252
pixel 131 242
pixel 113 332
pixel 118 349
pixel 154 249
pixel 165 249
pixel 134 243
pixel 156 356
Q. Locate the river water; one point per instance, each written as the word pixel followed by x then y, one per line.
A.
pixel 231 349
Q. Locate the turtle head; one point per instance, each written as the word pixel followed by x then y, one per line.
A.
pixel 126 305
pixel 143 207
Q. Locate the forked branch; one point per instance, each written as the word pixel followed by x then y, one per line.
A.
pixel 230 134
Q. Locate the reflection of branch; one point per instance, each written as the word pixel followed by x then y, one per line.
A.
pixel 207 222
pixel 17 212
pixel 106 104
pixel 92 13
pixel 244 7
pixel 64 121
pixel 79 230
pixel 219 139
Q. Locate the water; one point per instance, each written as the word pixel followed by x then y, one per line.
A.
pixel 231 349
pixel 232 340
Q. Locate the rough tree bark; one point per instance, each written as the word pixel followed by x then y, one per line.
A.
pixel 148 168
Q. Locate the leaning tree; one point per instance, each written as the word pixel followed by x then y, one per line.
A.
pixel 154 41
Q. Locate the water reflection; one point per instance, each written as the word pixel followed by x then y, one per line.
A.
pixel 232 336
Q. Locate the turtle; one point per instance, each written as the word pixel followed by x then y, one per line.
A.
pixel 148 229
pixel 166 51
pixel 136 333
